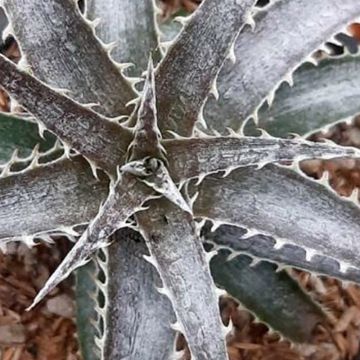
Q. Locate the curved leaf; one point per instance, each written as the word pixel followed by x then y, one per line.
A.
pixel 273 297
pixel 62 50
pixel 260 246
pixel 186 74
pixel 286 34
pixel 287 206
pixel 131 25
pixel 320 96
pixel 85 295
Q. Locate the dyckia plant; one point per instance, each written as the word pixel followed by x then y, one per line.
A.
pixel 152 172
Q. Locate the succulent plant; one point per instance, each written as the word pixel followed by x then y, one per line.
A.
pixel 145 158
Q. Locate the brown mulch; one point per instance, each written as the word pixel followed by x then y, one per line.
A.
pixel 170 7
pixel 49 331
pixel 252 341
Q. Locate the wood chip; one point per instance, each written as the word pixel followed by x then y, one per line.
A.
pixel 12 334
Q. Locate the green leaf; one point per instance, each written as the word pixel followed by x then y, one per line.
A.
pixel 273 297
pixel 86 316
pixel 169 28
pixel 20 134
pixel 320 96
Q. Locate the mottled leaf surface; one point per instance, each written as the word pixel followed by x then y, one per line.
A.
pixel 147 135
pixel 62 50
pixel 186 74
pixel 196 157
pixel 100 140
pixel 55 196
pixel 169 28
pixel 286 33
pixel 284 204
pixel 137 313
pixel 176 252
pixel 274 297
pixel 68 176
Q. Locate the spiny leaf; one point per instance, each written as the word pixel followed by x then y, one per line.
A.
pixel 176 252
pixel 185 76
pixel 69 177
pixel 48 198
pixel 147 136
pixel 300 211
pixel 85 196
pixel 95 137
pixel 197 157
pixel 195 152
pixel 125 198
pixel 314 101
pixel 260 246
pixel 137 314
pixel 273 297
pixel 62 50
pixel 131 25
pixel 286 33
pixel 20 134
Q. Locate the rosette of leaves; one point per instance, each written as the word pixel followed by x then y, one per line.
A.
pixel 150 144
